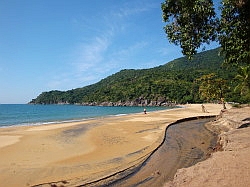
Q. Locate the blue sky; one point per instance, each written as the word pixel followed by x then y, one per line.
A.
pixel 60 45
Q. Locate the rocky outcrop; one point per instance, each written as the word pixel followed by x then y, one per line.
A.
pixel 161 101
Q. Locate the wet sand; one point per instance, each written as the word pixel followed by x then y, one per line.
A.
pixel 186 143
pixel 74 154
pixel 229 167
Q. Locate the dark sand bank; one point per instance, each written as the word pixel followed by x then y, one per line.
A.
pixel 186 143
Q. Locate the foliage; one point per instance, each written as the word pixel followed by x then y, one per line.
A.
pixel 191 23
pixel 211 87
pixel 244 82
pixel 175 81
pixel 234 31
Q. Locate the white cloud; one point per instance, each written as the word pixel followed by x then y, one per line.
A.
pixel 90 54
pixel 99 54
pixel 128 11
pixel 131 49
pixel 133 8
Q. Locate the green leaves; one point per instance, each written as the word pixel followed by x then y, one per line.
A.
pixel 190 23
pixel 174 81
pixel 234 32
pixel 212 87
pixel 244 80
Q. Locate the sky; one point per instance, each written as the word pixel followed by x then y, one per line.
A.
pixel 65 44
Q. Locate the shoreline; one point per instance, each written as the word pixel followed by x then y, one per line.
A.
pixel 123 178
pixel 77 119
pixel 88 150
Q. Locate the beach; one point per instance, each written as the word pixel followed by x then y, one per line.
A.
pixel 231 165
pixel 77 153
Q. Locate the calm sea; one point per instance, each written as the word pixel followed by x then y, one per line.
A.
pixel 24 114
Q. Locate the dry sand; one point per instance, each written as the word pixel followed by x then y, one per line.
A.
pixel 71 154
pixel 229 167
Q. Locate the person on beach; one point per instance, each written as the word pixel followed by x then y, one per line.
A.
pixel 203 109
pixel 145 112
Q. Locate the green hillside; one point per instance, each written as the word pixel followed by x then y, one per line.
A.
pixel 173 82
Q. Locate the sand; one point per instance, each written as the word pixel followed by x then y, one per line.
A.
pixel 185 144
pixel 72 154
pixel 229 167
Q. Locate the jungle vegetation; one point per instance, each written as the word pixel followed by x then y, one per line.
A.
pixel 219 74
pixel 176 81
pixel 192 23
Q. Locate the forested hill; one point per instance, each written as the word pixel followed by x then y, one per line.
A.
pixel 173 82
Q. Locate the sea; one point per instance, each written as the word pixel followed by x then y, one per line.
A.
pixel 29 115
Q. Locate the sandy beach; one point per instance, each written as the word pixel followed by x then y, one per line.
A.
pixel 73 154
pixel 228 167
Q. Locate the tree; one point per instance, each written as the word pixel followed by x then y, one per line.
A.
pixel 234 31
pixel 190 23
pixel 212 88
pixel 244 78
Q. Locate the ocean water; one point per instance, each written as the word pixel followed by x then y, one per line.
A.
pixel 24 114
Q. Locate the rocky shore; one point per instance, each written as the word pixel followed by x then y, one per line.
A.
pixel 161 101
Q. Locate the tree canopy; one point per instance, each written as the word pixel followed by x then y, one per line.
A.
pixel 190 23
pixel 176 81
pixel 234 31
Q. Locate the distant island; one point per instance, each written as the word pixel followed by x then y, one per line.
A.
pixel 172 83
